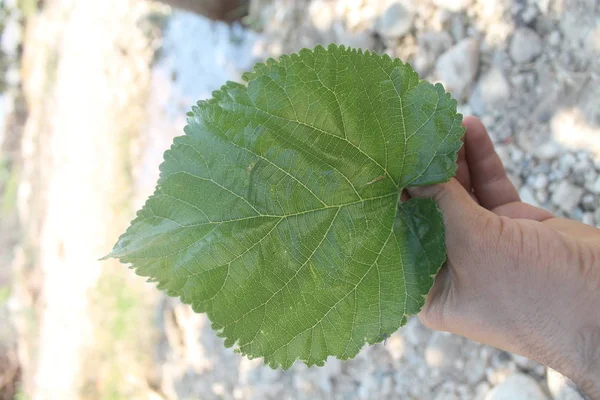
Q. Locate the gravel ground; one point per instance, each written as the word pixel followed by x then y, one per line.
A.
pixel 530 69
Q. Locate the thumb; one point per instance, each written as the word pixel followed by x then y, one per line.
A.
pixel 456 203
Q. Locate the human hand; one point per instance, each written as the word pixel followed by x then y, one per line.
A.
pixel 516 277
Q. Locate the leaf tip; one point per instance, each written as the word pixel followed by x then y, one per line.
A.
pixel 106 257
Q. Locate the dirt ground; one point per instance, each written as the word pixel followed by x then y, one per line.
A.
pixel 107 84
pixel 86 69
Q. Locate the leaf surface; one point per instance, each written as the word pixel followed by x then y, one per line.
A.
pixel 278 213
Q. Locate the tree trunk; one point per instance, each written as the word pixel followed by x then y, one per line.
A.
pixel 218 10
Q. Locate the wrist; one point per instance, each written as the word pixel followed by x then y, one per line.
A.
pixel 566 337
pixel 585 372
pixel 581 359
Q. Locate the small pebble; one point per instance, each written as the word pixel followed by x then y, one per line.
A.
pixel 525 46
pixel 517 387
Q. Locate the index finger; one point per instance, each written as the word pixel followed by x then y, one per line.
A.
pixel 488 176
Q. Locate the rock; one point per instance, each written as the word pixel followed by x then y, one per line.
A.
pixel 481 391
pixel 583 166
pixel 525 46
pixel 529 14
pixel 441 19
pixel 527 196
pixel 491 91
pixel 566 163
pixel 464 392
pixel 458 27
pixel 589 202
pixel 446 391
pixel 476 102
pixel 543 5
pixel 589 219
pixel 395 347
pixel 541 195
pixel 497 376
pixel 474 370
pixel 452 5
pixel 457 67
pixel 518 80
pixel 540 182
pixel 517 387
pixel 464 109
pixel 576 214
pixel 501 366
pixel 442 350
pixel 414 332
pixel 516 155
pixel 595 187
pixel 357 39
pixel 560 387
pixel 566 196
pixel 553 38
pixel 430 46
pixel 396 20
pixel 218 10
pixel 524 363
pixel 322 14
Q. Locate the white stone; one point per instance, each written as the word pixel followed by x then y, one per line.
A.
pixel 395 346
pixel 458 27
pixel 441 351
pixel 554 38
pixel 566 196
pixel 516 154
pixel 589 219
pixel 541 195
pixel 517 387
pixel 524 363
pixel 543 5
pixel 358 39
pixel 474 369
pixel 452 5
pixel 430 46
pixel 414 332
pixel 527 196
pixel 595 187
pixel 491 91
pixel 446 392
pixel 566 162
pixel 540 182
pixel 525 46
pixel 518 80
pixel 396 20
pixel 322 14
pixel 589 202
pixel 529 14
pixel 457 67
pixel 499 374
pixel 560 388
pixel 481 391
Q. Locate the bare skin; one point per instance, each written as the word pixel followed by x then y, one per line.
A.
pixel 517 278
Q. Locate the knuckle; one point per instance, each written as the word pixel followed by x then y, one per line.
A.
pixel 443 191
pixel 432 319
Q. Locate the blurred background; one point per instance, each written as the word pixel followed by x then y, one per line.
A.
pixel 92 93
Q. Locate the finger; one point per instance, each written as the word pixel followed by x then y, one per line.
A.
pixel 455 202
pixel 488 176
pixel 462 173
pixel 519 210
pixel 433 313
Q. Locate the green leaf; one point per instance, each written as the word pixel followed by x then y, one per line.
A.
pixel 278 212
